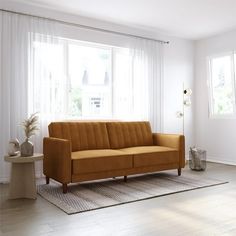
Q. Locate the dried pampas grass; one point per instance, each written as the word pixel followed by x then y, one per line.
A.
pixel 30 125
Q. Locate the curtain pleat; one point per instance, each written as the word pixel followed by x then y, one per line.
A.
pixel 137 82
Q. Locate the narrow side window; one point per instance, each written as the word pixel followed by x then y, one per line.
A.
pixel 221 86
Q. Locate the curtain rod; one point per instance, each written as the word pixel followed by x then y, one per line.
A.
pixel 87 27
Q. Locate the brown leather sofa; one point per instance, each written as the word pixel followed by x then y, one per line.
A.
pixel 80 151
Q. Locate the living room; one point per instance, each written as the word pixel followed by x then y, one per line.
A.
pixel 138 83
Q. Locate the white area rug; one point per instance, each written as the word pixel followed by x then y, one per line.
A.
pixel 99 194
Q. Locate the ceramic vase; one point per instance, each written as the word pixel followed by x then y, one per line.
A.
pixel 26 148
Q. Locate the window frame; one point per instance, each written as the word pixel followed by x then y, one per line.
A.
pixel 212 115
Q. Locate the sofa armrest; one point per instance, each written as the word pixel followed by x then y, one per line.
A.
pixel 173 141
pixel 57 159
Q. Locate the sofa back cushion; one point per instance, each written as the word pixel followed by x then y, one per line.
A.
pixel 83 135
pixel 129 134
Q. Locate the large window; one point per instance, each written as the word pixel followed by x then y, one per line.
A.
pixel 222 86
pixel 71 79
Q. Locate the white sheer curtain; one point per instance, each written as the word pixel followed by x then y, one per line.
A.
pixel 18 87
pixel 138 82
pixel 47 81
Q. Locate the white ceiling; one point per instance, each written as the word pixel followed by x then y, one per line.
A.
pixel 192 19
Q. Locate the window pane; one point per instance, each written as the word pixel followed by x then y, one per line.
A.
pixel 123 84
pixel 223 99
pixel 49 79
pixel 90 81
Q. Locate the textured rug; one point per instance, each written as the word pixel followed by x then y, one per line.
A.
pixel 99 194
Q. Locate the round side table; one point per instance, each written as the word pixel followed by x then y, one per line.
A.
pixel 22 182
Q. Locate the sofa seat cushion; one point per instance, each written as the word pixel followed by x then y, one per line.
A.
pixel 152 155
pixel 91 161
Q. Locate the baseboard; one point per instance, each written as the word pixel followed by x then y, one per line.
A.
pixel 216 160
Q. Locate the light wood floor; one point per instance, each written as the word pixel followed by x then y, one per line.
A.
pixel 207 211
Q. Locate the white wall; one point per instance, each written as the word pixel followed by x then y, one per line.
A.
pixel 178 63
pixel 178 74
pixel 217 136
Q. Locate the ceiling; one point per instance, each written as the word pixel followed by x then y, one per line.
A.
pixel 191 19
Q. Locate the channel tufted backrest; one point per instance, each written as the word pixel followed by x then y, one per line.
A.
pixel 129 134
pixel 83 135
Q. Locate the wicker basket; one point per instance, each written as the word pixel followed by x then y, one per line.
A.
pixel 197 159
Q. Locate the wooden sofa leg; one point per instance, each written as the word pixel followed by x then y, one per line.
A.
pixel 125 178
pixel 179 171
pixel 47 180
pixel 64 188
